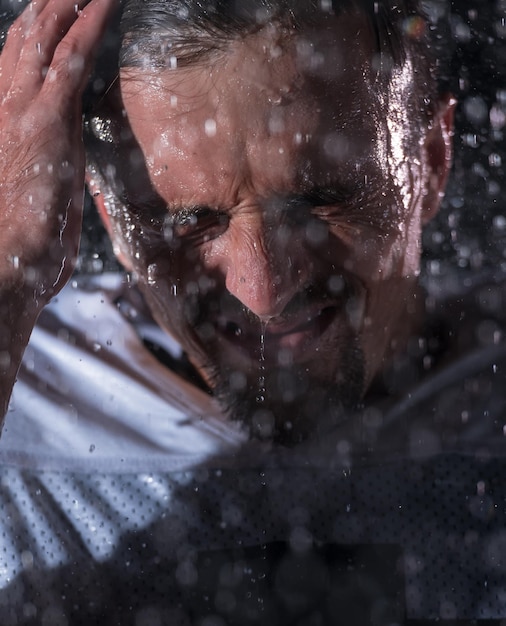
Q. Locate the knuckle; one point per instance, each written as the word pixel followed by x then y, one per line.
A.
pixel 68 61
pixel 67 48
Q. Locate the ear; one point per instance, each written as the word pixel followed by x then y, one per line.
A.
pixel 439 153
pixel 96 192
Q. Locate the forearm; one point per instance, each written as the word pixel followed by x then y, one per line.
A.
pixel 44 68
pixel 18 314
pixel 23 294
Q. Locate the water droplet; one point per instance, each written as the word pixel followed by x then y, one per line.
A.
pixel 102 129
pixel 260 398
pixel 27 559
pixel 5 360
pixel 210 128
pixel 92 447
pixel 336 284
pixel 152 274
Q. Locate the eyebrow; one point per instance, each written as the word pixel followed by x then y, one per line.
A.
pixel 325 195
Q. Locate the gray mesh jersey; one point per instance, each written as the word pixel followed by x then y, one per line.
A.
pixel 127 499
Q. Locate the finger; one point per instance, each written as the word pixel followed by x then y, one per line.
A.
pixel 40 42
pixel 73 58
pixel 11 52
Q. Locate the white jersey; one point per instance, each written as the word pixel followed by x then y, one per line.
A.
pixel 128 499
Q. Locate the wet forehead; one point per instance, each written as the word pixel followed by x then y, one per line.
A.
pixel 271 109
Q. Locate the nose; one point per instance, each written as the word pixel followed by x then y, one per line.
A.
pixel 266 267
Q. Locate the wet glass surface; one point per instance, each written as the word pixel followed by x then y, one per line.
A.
pixel 140 535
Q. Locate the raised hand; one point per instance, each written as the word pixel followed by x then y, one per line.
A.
pixel 44 68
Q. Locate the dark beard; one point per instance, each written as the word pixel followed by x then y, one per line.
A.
pixel 295 401
pixel 293 405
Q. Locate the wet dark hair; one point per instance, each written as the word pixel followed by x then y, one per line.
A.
pixel 193 29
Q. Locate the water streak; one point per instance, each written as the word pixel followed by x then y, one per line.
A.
pixel 260 398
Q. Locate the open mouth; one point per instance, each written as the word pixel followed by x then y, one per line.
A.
pixel 298 334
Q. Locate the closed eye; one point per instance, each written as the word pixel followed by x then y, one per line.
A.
pixel 196 225
pixel 320 202
pixel 345 211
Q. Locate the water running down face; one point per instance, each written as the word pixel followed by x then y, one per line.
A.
pixel 272 206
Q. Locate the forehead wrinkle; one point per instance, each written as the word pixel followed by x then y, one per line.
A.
pixel 208 90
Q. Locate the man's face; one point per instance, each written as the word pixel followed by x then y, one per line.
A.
pixel 273 216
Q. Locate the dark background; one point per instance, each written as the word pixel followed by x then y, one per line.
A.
pixel 468 239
